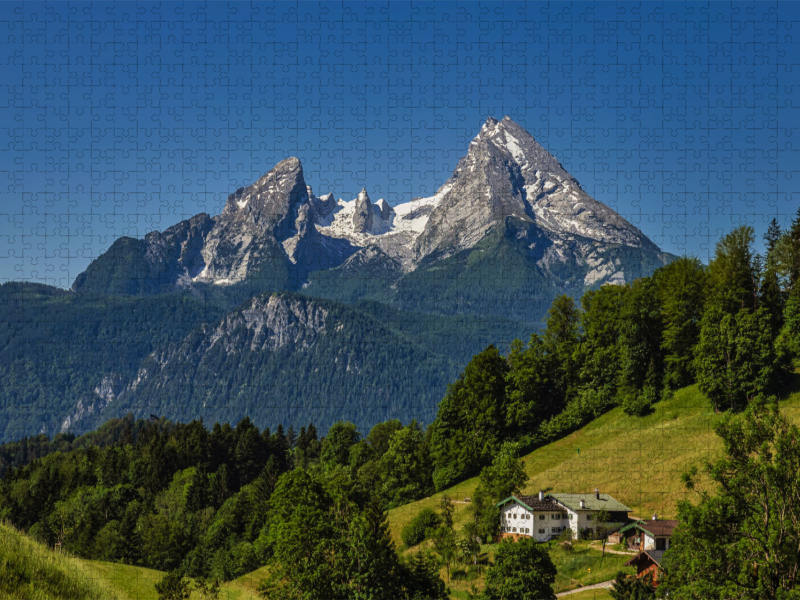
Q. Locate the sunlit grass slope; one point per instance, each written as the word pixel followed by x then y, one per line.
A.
pixel 30 571
pixel 138 583
pixel 638 460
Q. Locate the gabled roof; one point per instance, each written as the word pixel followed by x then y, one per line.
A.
pixel 654 556
pixel 654 528
pixel 573 502
pixel 533 503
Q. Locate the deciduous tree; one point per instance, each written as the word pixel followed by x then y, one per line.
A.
pixel 742 539
pixel 522 570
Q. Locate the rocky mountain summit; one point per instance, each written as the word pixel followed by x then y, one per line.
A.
pixel 276 235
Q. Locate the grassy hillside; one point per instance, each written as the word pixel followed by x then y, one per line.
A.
pixel 638 460
pixel 29 571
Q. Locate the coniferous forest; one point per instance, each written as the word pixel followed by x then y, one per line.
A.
pixel 218 501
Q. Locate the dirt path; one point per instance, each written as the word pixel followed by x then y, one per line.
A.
pixel 599 548
pixel 596 586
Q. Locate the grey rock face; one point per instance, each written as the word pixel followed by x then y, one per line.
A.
pixel 255 221
pixel 362 216
pixel 270 323
pixel 507 173
pixel 325 205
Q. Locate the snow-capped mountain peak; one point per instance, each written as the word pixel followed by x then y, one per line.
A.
pixel 277 225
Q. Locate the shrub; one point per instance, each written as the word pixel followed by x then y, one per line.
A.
pixel 173 586
pixel 417 530
pixel 639 403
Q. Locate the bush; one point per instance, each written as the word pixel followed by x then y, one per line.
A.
pixel 639 403
pixel 630 587
pixel 417 530
pixel 173 586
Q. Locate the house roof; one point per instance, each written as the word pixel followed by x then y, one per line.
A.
pixel 573 502
pixel 533 503
pixel 654 528
pixel 654 556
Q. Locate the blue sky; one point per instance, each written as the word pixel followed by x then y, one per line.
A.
pixel 117 119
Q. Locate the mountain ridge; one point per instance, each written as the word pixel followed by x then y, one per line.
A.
pixel 277 233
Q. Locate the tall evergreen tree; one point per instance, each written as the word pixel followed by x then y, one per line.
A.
pixel 682 289
pixel 560 340
pixel 471 422
pixel 733 284
pixel 599 352
pixel 772 235
pixel 530 391
pixel 640 342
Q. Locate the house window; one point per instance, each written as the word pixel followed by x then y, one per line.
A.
pixel 554 529
pixel 542 517
pixel 542 531
pixel 588 517
pixel 570 517
pixel 514 529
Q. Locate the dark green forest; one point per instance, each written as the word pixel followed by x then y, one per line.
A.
pixel 221 501
pixel 60 348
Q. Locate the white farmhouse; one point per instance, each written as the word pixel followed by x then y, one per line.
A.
pixel 546 516
pixel 540 517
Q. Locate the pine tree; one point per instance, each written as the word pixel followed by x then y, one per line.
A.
pixel 682 289
pixel 772 236
pixel 197 494
pixel 793 238
pixel 733 283
pixel 560 340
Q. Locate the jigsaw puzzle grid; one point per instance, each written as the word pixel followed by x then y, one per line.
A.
pixel 119 119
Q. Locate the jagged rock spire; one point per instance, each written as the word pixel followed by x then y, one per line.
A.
pixel 362 217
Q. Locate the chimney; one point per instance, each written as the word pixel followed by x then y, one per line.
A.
pixel 541 495
pixel 583 503
pixel 655 517
pixel 597 493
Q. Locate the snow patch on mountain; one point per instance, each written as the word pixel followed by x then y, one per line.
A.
pixel 407 219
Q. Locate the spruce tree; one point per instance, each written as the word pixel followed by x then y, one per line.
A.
pixel 560 340
pixel 772 236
